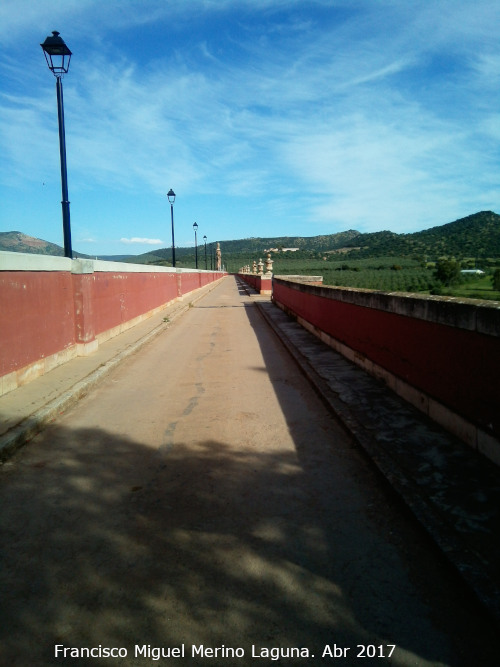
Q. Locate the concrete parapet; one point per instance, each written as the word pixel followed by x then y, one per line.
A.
pixel 308 280
pixel 261 283
pixel 442 354
pixel 55 308
pixel 471 314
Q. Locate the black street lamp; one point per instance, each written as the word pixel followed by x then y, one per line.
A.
pixel 171 199
pixel 195 227
pixel 205 239
pixel 58 57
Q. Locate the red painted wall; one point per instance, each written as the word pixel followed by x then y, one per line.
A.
pixel 36 317
pixel 259 283
pixel 45 312
pixel 457 367
pixel 190 282
pixel 120 297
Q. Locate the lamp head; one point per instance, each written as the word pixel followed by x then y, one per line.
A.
pixel 56 54
pixel 171 196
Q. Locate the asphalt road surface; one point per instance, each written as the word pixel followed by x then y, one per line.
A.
pixel 203 502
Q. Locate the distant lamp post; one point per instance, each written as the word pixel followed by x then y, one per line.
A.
pixel 171 199
pixel 58 57
pixel 195 227
pixel 205 239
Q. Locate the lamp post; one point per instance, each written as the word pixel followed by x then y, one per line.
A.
pixel 58 57
pixel 171 199
pixel 195 227
pixel 205 239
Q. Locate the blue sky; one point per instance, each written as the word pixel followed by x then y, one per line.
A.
pixel 267 118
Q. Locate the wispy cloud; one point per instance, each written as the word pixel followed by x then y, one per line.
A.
pixel 137 239
pixel 351 114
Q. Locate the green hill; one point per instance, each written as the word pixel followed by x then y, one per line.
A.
pixel 257 245
pixel 19 242
pixel 477 236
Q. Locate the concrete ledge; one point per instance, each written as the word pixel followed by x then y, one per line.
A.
pixel 22 376
pixel 443 354
pixel 454 423
pixel 459 426
pixel 19 261
pixel 308 280
pixel 470 314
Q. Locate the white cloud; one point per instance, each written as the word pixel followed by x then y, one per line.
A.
pixel 137 239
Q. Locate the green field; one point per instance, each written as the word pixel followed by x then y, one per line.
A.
pixel 475 288
pixel 387 274
pixel 426 262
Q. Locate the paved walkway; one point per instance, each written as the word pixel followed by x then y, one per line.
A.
pixel 453 491
pixel 201 494
pixel 27 410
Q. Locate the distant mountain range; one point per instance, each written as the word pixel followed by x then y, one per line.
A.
pixel 19 242
pixel 477 235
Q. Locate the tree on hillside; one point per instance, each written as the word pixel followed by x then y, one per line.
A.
pixel 447 272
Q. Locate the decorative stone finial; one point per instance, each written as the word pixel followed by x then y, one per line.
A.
pixel 218 258
pixel 269 265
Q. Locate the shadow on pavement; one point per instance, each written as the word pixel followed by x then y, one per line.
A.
pixel 442 590
pixel 126 545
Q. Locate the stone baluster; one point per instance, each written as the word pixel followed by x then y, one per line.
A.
pixel 269 265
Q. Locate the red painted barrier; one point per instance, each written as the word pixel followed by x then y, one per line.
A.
pixel 120 297
pixel 446 349
pixel 261 284
pixel 37 317
pixel 53 308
